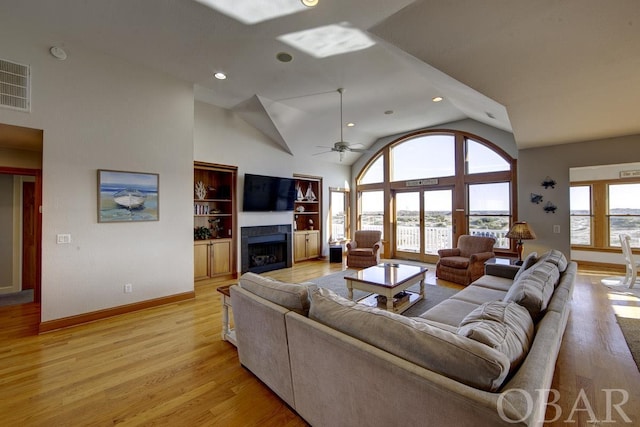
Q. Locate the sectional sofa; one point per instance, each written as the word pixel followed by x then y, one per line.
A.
pixel 484 357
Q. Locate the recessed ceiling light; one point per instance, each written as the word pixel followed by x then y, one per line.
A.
pixel 437 98
pixel 328 40
pixel 58 52
pixel 220 76
pixel 284 57
pixel 388 112
pixel 310 3
pixel 351 124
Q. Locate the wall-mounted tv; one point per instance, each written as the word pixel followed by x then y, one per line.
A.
pixel 268 193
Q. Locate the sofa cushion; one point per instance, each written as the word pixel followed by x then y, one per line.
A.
pixel 528 262
pixel 557 258
pixel 479 294
pixel 450 312
pixel 430 347
pixel 361 252
pixel 534 288
pixel 455 262
pixel 293 296
pixel 494 282
pixel 505 326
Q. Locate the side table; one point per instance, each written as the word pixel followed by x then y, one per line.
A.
pixel 228 333
pixel 335 253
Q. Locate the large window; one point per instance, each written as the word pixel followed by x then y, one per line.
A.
pixel 490 212
pixel 602 210
pixel 339 214
pixel 473 174
pixel 624 212
pixel 372 210
pixel 581 215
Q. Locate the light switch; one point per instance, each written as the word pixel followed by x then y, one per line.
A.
pixel 63 239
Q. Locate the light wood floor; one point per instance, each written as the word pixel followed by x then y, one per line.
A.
pixel 168 366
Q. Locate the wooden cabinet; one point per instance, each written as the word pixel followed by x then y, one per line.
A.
pixel 214 219
pixel 306 245
pixel 212 258
pixel 307 218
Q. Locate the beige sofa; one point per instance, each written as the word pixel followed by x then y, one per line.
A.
pixel 476 359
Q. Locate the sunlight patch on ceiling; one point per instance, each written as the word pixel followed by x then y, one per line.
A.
pixel 253 11
pixel 328 40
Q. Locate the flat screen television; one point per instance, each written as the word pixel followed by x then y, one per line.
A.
pixel 268 193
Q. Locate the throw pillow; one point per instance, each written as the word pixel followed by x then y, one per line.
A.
pixel 557 258
pixel 534 288
pixel 505 326
pixel 530 259
pixel 430 347
pixel 293 296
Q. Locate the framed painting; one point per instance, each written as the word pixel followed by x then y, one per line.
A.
pixel 127 196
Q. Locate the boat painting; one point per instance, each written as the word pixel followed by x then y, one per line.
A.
pixel 127 196
pixel 130 198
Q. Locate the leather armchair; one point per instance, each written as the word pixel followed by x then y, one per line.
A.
pixel 465 263
pixel 364 250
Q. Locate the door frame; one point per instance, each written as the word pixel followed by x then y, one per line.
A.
pixel 420 190
pixel 37 173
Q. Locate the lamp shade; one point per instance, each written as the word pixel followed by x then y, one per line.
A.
pixel 521 231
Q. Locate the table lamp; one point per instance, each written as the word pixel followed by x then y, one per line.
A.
pixel 520 231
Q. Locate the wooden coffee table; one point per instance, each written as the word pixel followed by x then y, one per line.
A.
pixel 388 280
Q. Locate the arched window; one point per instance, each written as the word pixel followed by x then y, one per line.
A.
pixel 471 177
pixel 426 156
pixel 481 158
pixel 374 173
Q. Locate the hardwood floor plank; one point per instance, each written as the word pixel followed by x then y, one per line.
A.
pixel 168 366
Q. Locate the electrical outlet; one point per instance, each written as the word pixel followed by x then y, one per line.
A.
pixel 556 229
pixel 128 288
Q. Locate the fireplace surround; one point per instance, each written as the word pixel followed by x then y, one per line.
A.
pixel 265 248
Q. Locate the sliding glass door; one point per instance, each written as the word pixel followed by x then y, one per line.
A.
pixel 423 223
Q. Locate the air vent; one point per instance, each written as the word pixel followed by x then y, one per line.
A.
pixel 15 85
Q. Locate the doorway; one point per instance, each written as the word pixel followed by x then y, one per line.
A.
pixel 21 198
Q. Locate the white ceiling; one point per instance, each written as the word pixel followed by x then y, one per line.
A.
pixel 550 71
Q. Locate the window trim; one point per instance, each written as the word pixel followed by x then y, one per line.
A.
pixel 599 210
pixel 347 214
pixel 459 182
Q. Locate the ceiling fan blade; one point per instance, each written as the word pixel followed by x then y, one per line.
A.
pixel 358 150
pixel 322 152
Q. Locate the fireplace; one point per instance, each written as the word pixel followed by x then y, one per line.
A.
pixel 265 248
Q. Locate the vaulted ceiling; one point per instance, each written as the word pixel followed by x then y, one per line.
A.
pixel 549 71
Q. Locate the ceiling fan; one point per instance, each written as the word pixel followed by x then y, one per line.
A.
pixel 342 146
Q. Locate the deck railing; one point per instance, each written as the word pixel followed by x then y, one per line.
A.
pixel 408 238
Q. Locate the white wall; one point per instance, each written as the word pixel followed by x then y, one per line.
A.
pixel 98 112
pixel 222 137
